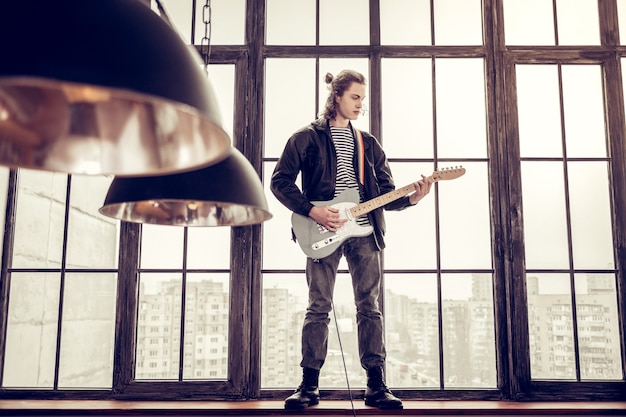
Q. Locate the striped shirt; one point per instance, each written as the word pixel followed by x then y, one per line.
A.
pixel 346 177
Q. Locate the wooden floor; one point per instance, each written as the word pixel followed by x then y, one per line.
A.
pixel 325 408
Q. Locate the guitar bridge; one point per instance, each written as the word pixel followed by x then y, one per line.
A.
pixel 321 228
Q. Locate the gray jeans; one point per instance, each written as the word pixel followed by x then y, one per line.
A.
pixel 365 268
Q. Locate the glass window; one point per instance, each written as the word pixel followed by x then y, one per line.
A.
pixel 39 238
pixel 539 114
pixel 411 251
pixel 222 77
pixel 461 108
pixel 412 328
pixel 621 15
pixel 468 331
pixel 458 22
pixel 88 330
pixel 550 323
pixel 289 100
pixel 100 251
pixel 32 325
pixel 577 22
pixel 545 228
pixel 285 299
pixel 554 336
pixel 290 22
pixel 344 22
pixel 597 326
pixel 61 323
pixel 520 15
pixel 159 328
pixel 567 217
pixel 225 18
pixel 405 22
pixel 592 241
pixel 583 111
pixel 407 94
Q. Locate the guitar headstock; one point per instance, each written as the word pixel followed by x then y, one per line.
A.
pixel 448 173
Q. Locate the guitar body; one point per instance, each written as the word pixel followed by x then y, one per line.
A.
pixel 318 242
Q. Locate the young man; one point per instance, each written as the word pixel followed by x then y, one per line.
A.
pixel 333 156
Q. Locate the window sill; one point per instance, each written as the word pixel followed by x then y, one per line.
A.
pixel 325 408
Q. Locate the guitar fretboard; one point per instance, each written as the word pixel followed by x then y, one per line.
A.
pixel 380 201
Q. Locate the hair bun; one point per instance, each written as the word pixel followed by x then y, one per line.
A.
pixel 328 78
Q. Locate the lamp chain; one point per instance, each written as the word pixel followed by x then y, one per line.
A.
pixel 206 39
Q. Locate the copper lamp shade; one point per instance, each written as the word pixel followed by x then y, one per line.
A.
pixel 102 87
pixel 228 193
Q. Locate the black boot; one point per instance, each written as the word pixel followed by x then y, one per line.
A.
pixel 377 394
pixel 307 393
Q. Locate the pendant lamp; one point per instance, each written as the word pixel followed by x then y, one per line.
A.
pixel 228 193
pixel 102 87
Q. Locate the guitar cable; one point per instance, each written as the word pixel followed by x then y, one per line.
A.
pixel 343 358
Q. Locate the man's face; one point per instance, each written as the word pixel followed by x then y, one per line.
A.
pixel 349 105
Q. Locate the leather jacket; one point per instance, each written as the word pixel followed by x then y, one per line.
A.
pixel 311 152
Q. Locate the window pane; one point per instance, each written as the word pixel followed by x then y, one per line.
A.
pixel 282 330
pixel 410 236
pixel 290 22
pixel 578 22
pixel 458 22
pixel 88 332
pixel 206 327
pixel 551 327
pixel 461 117
pixel 412 330
pixel 405 22
pixel 279 250
pixel 92 238
pixel 621 15
pixel 583 111
pixel 31 337
pixel 598 326
pixel 344 22
pixel 282 116
pixel 222 79
pixel 158 326
pixel 227 19
pixel 208 247
pixel 545 228
pixel 284 304
pixel 407 95
pixel 592 238
pixel 520 15
pixel 161 246
pixel 538 108
pixel 468 331
pixel 40 219
pixel 464 219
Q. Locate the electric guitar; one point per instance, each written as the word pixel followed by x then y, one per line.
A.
pixel 318 242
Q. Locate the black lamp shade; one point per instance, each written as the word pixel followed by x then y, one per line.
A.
pixel 228 193
pixel 102 87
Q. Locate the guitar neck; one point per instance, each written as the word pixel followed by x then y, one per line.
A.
pixel 373 204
